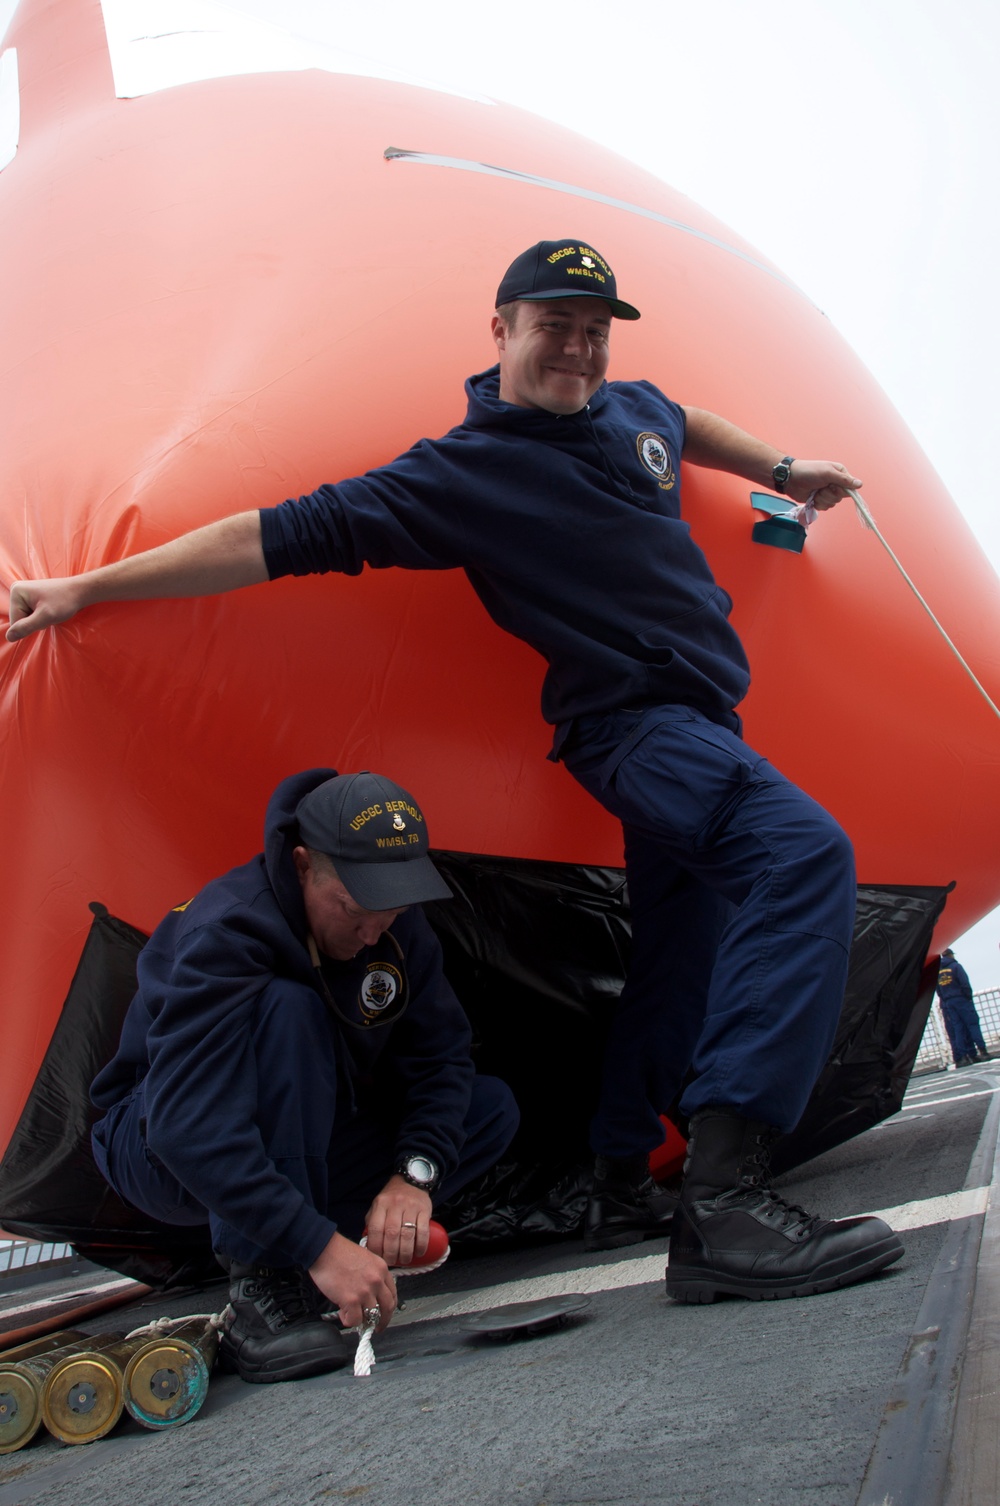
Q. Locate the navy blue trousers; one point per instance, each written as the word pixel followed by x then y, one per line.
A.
pixel 339 1159
pixel 961 1021
pixel 742 892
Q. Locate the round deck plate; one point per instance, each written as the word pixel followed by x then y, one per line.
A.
pixel 525 1319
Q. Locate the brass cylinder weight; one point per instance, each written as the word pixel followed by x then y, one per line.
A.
pixel 79 1384
pixel 82 1388
pixel 21 1388
pixel 166 1380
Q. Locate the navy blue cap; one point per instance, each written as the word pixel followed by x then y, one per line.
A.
pixel 375 836
pixel 562 269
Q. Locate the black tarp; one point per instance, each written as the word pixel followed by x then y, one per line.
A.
pixel 890 989
pixel 537 953
pixel 50 1187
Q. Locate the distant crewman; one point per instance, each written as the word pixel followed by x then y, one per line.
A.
pixel 961 1019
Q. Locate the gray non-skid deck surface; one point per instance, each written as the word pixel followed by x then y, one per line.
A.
pixel 641 1402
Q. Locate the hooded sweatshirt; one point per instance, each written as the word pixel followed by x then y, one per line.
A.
pixel 569 530
pixel 187 1039
pixel 953 980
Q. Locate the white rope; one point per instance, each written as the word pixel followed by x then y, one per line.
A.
pixel 805 513
pixel 861 508
pixel 161 1328
pixel 364 1358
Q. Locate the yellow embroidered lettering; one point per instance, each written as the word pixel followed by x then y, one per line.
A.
pixel 366 815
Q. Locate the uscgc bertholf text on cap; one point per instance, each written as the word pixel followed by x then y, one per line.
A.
pixel 375 835
pixel 562 269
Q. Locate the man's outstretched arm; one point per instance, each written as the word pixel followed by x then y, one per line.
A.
pixel 715 442
pixel 221 556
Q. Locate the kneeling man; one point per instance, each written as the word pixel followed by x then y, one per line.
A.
pixel 295 1069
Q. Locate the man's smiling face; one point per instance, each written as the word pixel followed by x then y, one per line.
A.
pixel 556 355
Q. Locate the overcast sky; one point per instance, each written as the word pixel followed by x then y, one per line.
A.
pixel 852 141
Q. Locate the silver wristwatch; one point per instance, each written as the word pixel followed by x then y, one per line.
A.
pixel 781 472
pixel 420 1171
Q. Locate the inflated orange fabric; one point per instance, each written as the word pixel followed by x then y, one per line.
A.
pixel 224 294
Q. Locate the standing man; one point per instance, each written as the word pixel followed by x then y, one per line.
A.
pixel 560 497
pixel 961 1019
pixel 295 1070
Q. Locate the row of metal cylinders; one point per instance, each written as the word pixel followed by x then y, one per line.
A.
pixel 79 1384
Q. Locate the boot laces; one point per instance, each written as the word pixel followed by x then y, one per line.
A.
pixel 755 1176
pixel 755 1171
pixel 281 1297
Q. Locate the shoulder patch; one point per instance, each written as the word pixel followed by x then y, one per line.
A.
pixel 655 456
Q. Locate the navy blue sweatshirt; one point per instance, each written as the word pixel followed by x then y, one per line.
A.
pixel 187 1037
pixel 953 980
pixel 569 530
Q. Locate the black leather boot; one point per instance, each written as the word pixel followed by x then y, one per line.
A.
pixel 626 1205
pixel 734 1236
pixel 277 1333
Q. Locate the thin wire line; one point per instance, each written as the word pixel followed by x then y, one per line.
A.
pixel 861 508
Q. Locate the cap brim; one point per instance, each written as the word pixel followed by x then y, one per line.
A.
pixel 390 886
pixel 619 309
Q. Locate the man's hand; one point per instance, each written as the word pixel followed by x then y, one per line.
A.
pixel 222 556
pixel 827 480
pixel 398 1222
pixel 38 604
pixel 354 1278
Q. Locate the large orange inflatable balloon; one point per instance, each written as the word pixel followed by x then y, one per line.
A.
pixel 226 293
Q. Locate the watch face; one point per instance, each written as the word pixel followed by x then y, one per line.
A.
pixel 420 1169
pixel 782 472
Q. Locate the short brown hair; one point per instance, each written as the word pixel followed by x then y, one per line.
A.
pixel 507 312
pixel 322 862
